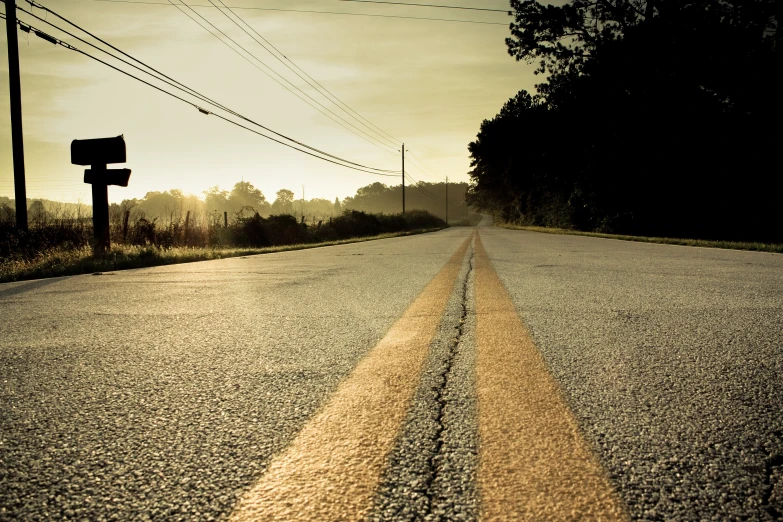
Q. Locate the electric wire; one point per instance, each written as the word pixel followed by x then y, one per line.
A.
pixel 415 164
pixel 427 5
pixel 33 3
pixel 361 134
pixel 181 86
pixel 417 182
pixel 70 47
pixel 421 162
pixel 426 195
pixel 310 11
pixel 422 188
pixel 312 82
pixel 418 186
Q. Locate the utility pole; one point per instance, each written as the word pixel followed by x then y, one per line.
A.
pixel 15 88
pixel 303 204
pixel 447 200
pixel 403 178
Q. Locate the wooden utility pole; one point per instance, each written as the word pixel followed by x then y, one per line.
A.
pixel 403 178
pixel 15 89
pixel 447 200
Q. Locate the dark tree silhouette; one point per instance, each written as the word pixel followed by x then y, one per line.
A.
pixel 653 119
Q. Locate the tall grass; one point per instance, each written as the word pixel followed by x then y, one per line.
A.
pixel 62 245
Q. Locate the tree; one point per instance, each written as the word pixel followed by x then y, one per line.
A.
pixel 216 200
pixel 372 190
pixel 284 202
pixel 244 196
pixel 37 213
pixel 319 208
pixel 646 104
pixel 563 38
pixel 517 165
pixel 723 52
pixel 337 207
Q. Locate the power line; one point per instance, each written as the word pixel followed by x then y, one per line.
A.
pixel 310 11
pixel 424 172
pixel 190 91
pixel 417 185
pixel 361 134
pixel 309 79
pixel 426 195
pixel 178 85
pixel 424 166
pixel 427 172
pixel 428 5
pixel 377 135
pixel 421 161
pixel 68 46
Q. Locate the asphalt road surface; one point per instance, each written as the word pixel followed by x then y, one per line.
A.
pixel 468 374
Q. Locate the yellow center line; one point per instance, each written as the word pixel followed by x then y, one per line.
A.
pixel 533 462
pixel 333 467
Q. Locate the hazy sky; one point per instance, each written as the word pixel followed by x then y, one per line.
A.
pixel 427 83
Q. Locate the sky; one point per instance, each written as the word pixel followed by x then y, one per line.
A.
pixel 426 83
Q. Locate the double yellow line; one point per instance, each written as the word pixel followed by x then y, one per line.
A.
pixel 533 465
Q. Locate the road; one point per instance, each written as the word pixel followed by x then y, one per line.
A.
pixel 468 374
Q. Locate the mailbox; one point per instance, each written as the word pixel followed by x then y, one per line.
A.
pixel 117 177
pixel 100 151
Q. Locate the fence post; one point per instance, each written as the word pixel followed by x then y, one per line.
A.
pixel 125 226
pixel 187 225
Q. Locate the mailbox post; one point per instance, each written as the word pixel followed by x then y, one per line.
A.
pixel 98 153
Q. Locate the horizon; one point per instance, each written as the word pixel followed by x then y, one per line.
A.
pixel 270 198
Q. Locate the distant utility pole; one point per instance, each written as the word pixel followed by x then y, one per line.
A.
pixel 403 178
pixel 302 201
pixel 15 88
pixel 447 200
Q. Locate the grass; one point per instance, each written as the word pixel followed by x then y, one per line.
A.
pixel 733 245
pixel 61 261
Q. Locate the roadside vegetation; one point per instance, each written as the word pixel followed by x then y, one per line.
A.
pixel 732 245
pixel 59 245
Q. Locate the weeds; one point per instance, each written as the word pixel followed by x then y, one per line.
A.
pixel 732 245
pixel 63 247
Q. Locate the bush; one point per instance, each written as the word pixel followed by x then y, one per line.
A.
pixel 243 231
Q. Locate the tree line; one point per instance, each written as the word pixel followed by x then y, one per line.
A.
pixel 245 200
pixel 656 117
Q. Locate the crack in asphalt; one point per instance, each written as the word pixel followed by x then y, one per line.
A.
pixel 431 471
pixel 442 381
